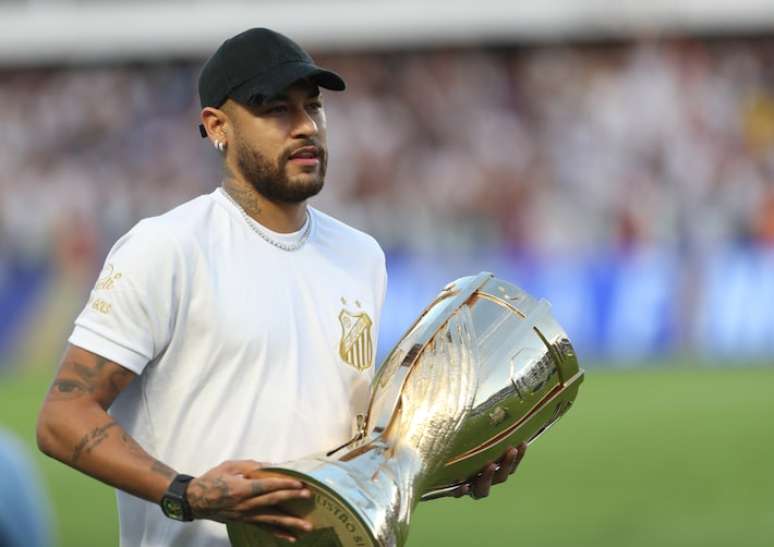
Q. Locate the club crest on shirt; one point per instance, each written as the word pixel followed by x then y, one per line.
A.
pixel 356 347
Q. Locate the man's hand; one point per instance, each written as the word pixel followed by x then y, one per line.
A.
pixel 493 473
pixel 225 494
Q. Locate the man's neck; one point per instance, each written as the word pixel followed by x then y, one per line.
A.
pixel 278 217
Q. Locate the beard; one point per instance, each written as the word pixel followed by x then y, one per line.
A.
pixel 270 179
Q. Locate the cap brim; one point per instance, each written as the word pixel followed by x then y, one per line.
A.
pixel 276 81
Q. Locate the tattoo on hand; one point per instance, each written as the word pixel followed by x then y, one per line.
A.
pixel 207 497
pixel 91 440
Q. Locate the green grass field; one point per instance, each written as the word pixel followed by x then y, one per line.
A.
pixel 679 457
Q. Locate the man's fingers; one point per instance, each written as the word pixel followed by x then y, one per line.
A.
pixel 506 466
pixel 252 488
pixel 280 520
pixel 238 467
pixel 463 490
pixel 521 450
pixel 264 486
pixel 483 483
pixel 272 498
pixel 280 533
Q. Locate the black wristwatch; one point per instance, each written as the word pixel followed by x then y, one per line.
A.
pixel 174 503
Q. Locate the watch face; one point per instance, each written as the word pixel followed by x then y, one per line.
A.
pixel 173 509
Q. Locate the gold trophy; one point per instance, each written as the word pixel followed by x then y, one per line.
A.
pixel 484 367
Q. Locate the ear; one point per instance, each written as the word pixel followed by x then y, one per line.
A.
pixel 216 124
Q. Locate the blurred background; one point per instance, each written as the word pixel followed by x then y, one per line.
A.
pixel 614 157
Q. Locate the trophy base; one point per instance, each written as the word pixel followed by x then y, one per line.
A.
pixel 336 523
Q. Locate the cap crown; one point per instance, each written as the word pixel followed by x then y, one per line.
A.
pixel 243 57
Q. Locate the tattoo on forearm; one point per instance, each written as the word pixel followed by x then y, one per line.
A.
pixel 91 440
pixel 133 446
pixel 163 470
pixel 136 450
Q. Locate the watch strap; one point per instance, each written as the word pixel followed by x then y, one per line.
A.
pixel 174 503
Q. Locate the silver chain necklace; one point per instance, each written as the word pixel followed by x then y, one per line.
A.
pixel 296 245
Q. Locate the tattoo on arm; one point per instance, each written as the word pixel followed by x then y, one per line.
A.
pixel 133 446
pixel 68 389
pixel 86 376
pixel 156 466
pixel 89 373
pixel 95 437
pixel 77 379
pixel 163 470
pixel 117 379
pixel 91 440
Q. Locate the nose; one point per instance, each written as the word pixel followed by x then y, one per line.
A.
pixel 304 125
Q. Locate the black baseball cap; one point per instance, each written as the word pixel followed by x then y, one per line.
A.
pixel 256 65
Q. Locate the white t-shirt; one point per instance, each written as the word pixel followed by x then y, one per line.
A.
pixel 243 350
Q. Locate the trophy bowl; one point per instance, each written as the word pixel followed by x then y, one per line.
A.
pixel 484 367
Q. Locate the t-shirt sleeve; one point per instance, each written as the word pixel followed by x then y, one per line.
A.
pixel 129 316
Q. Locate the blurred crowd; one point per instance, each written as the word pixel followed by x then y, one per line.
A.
pixel 550 149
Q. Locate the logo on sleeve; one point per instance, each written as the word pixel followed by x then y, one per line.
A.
pixel 108 279
pixel 106 282
pixel 356 347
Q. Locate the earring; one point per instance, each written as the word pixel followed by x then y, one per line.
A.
pixel 219 145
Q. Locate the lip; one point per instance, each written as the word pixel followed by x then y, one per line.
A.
pixel 310 156
pixel 310 152
pixel 305 161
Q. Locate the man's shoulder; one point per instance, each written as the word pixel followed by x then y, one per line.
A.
pixel 177 226
pixel 334 229
pixel 185 217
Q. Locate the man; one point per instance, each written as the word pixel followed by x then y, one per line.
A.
pixel 215 332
